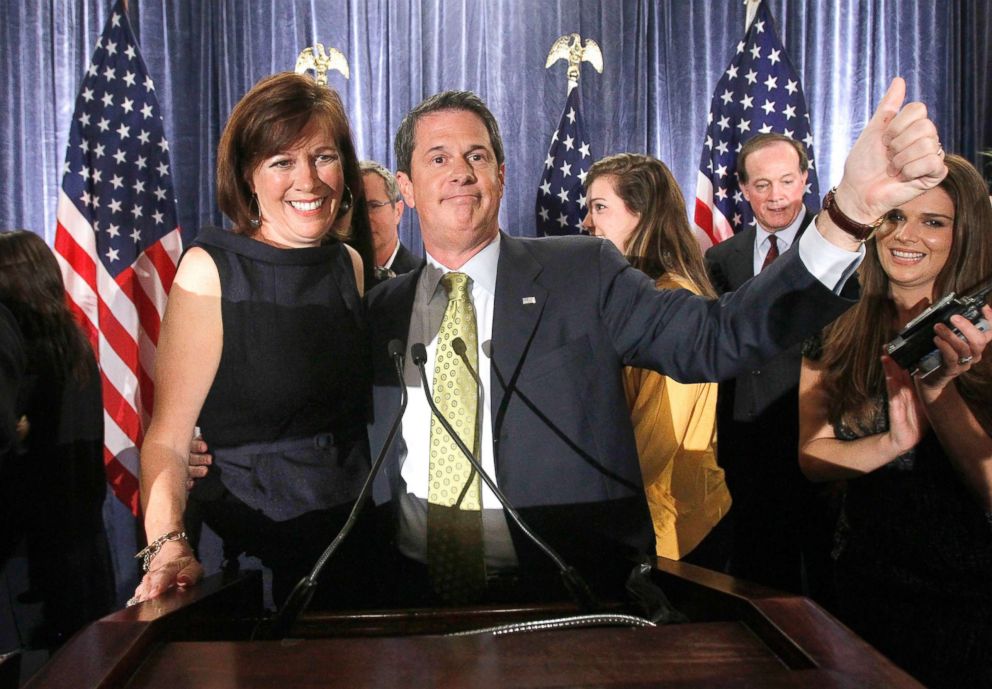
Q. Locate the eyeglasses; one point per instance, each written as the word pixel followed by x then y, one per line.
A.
pixel 376 205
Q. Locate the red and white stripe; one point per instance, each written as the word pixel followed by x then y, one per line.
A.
pixel 122 317
pixel 711 226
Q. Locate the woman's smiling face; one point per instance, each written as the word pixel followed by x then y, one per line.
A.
pixel 915 242
pixel 299 190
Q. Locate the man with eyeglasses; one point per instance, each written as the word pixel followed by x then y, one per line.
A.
pixel 385 205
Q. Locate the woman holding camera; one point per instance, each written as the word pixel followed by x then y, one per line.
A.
pixel 913 548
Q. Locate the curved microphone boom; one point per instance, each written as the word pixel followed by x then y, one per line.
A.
pixel 302 593
pixel 574 582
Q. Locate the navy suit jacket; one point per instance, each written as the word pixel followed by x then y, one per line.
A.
pixel 405 261
pixel 569 314
pixel 730 265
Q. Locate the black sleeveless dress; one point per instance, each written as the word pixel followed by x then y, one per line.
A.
pixel 285 417
pixel 913 561
pixel 914 565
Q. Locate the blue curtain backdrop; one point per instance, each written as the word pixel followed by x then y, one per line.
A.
pixel 662 61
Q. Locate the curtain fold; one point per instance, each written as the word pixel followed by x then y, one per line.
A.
pixel 662 61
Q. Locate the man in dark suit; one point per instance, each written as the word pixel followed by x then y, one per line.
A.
pixel 774 523
pixel 382 196
pixel 557 319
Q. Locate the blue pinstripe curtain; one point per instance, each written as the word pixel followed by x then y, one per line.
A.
pixel 663 59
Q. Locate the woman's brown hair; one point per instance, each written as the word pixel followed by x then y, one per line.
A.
pixel 272 117
pixel 852 345
pixel 662 242
pixel 31 287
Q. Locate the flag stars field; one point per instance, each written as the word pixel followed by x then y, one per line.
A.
pixel 565 169
pixel 733 118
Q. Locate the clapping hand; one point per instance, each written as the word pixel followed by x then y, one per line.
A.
pixel 907 420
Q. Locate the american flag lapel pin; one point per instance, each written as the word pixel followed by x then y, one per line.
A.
pixel 529 300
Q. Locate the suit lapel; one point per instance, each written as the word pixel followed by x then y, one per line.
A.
pixel 390 311
pixel 405 261
pixel 743 260
pixel 520 301
pixel 390 317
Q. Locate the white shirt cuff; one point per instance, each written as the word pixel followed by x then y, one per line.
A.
pixel 828 263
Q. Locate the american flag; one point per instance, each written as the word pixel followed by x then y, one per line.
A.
pixel 759 93
pixel 561 198
pixel 118 238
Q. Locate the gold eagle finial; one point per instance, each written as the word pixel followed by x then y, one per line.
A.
pixel 314 58
pixel 571 49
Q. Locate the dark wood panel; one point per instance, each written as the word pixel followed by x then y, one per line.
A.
pixel 741 636
pixel 700 654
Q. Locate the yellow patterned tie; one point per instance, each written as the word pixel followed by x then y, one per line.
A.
pixel 455 554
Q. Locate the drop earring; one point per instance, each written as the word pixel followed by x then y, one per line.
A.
pixel 346 201
pixel 256 221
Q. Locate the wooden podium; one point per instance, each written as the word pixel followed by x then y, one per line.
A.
pixel 741 635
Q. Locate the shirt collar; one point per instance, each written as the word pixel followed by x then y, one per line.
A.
pixel 786 236
pixel 481 268
pixel 396 250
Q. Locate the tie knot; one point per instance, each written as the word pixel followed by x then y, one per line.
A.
pixel 773 241
pixel 456 285
pixel 382 273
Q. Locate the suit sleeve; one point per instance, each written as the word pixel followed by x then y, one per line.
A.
pixel 694 339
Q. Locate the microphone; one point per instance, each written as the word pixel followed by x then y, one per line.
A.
pixel 302 593
pixel 573 581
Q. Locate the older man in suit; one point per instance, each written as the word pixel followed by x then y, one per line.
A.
pixel 773 522
pixel 385 207
pixel 550 323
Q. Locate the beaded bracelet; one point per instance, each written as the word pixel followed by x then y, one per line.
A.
pixel 148 553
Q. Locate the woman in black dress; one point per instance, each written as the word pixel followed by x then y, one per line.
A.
pixel 263 346
pixel 914 544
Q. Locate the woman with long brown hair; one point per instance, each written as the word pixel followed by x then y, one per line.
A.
pixel 914 544
pixel 54 487
pixel 634 202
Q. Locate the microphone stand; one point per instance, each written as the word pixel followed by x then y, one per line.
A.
pixel 302 593
pixel 573 581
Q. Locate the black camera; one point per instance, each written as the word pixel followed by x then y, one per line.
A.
pixel 913 347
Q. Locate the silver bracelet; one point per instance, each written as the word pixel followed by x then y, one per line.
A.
pixel 148 553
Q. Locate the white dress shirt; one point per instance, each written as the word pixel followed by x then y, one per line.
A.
pixel 429 305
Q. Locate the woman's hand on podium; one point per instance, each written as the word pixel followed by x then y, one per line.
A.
pixel 174 566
